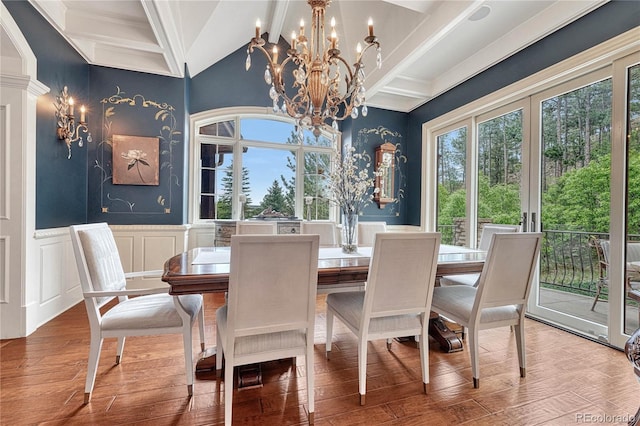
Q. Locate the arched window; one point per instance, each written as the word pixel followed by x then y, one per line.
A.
pixel 247 163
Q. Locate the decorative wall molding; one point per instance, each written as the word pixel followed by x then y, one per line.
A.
pixel 124 198
pixel 5 164
pixel 369 139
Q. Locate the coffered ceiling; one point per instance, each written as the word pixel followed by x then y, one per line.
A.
pixel 428 46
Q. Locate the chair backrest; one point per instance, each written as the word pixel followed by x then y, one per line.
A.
pixel 603 259
pixel 272 283
pixel 99 265
pixel 492 228
pixel 633 251
pixel 508 271
pixel 97 258
pixel 326 230
pixel 254 228
pixel 401 274
pixel 367 232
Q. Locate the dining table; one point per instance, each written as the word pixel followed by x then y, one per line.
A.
pixel 206 270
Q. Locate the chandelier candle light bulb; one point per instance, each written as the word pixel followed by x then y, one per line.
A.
pixel 322 88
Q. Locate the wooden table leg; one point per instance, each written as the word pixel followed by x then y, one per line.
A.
pixel 206 365
pixel 447 339
pixel 249 376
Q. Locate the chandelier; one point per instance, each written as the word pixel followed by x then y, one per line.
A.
pixel 324 86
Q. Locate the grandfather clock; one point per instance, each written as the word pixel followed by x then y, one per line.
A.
pixel 385 168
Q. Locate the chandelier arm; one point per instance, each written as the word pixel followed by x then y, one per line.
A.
pixel 318 74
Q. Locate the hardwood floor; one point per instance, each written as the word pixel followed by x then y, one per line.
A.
pixel 569 380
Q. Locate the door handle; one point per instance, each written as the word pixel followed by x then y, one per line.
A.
pixel 533 222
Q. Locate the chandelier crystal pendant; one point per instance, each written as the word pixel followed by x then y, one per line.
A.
pixel 326 87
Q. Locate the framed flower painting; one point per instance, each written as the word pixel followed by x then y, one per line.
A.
pixel 135 160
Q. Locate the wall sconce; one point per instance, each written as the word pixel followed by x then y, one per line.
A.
pixel 67 130
pixel 385 166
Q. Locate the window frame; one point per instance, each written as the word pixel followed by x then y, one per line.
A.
pixel 237 114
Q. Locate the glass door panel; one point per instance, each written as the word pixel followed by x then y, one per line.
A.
pixel 500 169
pixel 451 197
pixel 574 198
pixel 632 284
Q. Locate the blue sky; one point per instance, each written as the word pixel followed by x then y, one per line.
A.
pixel 264 165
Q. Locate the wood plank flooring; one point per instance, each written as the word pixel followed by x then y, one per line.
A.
pixel 569 380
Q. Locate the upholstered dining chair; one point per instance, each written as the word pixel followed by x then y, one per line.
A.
pixel 262 227
pixel 501 295
pixel 488 231
pixel 151 312
pixel 326 230
pixel 397 298
pixel 367 232
pixel 270 311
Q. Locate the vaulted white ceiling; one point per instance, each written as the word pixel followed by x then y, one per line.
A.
pixel 428 46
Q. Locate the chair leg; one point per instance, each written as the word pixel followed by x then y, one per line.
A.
pixel 424 353
pixel 389 344
pixel 219 352
pixel 595 299
pixel 228 391
pixel 188 355
pixel 329 332
pixel 92 367
pixel 522 359
pixel 473 352
pixel 362 368
pixel 201 327
pixel 120 350
pixel 310 376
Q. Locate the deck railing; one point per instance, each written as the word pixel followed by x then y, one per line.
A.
pixel 568 261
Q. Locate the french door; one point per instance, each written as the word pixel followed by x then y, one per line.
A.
pixel 584 187
pixel 565 162
pixel 570 200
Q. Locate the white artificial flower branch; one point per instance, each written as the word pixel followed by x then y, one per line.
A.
pixel 349 183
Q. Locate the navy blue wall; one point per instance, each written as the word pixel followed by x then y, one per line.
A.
pixel 611 19
pixel 227 84
pixel 61 184
pixel 366 134
pixel 137 104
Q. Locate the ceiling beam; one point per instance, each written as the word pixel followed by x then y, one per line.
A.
pixel 277 20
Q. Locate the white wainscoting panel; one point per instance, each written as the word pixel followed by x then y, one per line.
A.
pixel 52 265
pixel 125 245
pixel 58 283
